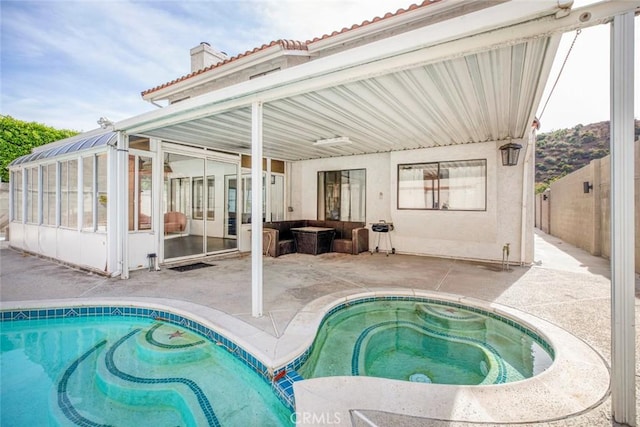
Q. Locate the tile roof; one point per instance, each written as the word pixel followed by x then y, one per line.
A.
pixel 290 44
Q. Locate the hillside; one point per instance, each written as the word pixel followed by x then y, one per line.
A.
pixel 562 151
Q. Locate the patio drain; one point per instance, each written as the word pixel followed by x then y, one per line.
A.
pixel 189 267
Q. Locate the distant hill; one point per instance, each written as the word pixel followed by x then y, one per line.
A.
pixel 562 151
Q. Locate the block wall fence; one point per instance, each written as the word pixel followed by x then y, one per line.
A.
pixel 583 219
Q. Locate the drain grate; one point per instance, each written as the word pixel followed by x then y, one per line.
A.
pixel 190 267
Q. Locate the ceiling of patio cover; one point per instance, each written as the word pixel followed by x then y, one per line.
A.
pixel 71 147
pixel 485 96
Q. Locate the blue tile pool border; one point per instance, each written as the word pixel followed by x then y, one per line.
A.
pixel 283 387
pixel 295 364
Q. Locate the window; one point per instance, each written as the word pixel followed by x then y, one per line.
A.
pixel 454 185
pixel 31 215
pixel 140 192
pixel 17 195
pixel 101 192
pixel 198 198
pixel 69 193
pixel 246 205
pixel 342 195
pixel 49 193
pixel 88 191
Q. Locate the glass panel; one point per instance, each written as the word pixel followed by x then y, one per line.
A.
pixel 211 198
pixel 132 192
pixel 183 233
pixel 231 194
pixel 102 191
pixel 69 193
pixel 463 185
pixel 353 193
pixel 17 195
pixel 145 192
pixel 342 195
pixel 246 185
pixel 32 196
pixel 87 192
pixel 49 194
pixel 459 185
pixel 277 198
pixel 198 198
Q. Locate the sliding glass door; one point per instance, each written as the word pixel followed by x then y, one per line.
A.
pixel 195 210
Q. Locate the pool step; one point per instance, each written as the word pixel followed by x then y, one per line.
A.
pixel 451 318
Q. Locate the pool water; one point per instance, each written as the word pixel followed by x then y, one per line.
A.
pixel 126 372
pixel 425 342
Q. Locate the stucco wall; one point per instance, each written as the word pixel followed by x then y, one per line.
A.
pixel 459 234
pixel 584 219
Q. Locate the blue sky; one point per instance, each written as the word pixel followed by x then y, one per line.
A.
pixel 67 63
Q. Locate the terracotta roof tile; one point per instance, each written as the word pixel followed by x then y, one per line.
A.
pixel 289 45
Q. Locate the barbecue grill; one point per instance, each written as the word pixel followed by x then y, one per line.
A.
pixel 386 228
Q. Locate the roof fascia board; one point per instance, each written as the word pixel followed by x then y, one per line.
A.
pixel 384 24
pixel 445 40
pixel 256 58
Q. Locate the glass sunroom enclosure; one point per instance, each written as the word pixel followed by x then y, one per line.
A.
pixel 179 202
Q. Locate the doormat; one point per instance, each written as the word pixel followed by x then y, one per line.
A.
pixel 190 267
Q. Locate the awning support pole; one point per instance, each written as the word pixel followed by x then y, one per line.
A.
pixel 256 209
pixel 623 400
pixel 122 149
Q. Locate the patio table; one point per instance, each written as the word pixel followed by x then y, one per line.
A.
pixel 313 240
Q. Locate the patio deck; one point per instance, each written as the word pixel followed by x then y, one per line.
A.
pixel 566 287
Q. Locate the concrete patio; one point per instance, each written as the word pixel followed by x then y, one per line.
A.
pixel 566 287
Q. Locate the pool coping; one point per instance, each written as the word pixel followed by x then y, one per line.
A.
pixel 577 380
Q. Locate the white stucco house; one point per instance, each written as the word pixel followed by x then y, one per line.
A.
pixel 404 118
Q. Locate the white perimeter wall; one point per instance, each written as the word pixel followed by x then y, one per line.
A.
pixel 444 233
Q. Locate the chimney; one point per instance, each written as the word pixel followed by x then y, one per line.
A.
pixel 204 55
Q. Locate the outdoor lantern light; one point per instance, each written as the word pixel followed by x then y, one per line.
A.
pixel 510 153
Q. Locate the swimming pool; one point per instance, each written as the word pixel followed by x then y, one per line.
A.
pixel 94 369
pixel 425 341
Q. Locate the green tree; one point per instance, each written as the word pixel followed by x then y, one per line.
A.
pixel 17 138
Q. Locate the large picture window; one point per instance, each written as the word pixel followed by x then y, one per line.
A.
pixel 342 195
pixel 452 185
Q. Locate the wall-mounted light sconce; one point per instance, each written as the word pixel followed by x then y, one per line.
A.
pixel 545 197
pixel 510 153
pixel 586 187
